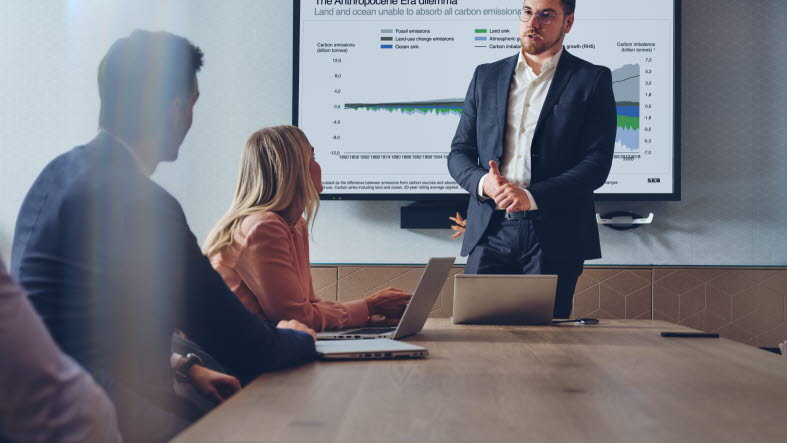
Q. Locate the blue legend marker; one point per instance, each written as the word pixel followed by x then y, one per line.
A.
pixel 482 38
pixel 386 46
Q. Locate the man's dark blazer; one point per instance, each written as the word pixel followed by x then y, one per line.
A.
pixel 571 152
pixel 110 263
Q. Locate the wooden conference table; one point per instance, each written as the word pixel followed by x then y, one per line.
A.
pixel 618 381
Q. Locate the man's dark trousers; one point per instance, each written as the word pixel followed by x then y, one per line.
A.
pixel 511 247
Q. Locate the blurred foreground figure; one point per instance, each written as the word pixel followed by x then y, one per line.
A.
pixel 109 261
pixel 44 395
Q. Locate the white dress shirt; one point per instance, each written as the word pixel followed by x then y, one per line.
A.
pixel 526 97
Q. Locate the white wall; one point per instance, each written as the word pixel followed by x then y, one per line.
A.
pixel 734 162
pixel 50 101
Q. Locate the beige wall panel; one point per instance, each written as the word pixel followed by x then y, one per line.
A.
pixel 760 275
pixel 446 299
pixel 595 276
pixel 639 303
pixel 658 274
pixel 346 270
pixel 356 285
pixel 691 302
pixel 777 281
pixel 733 282
pixel 613 293
pixel 629 281
pixel 696 321
pixel 612 301
pixel 745 305
pixel 324 282
pixel 719 303
pixel 712 322
pixel 328 293
pixel 772 338
pixel 666 304
pixel 679 282
pixel 704 274
pixel 733 331
pixel 586 301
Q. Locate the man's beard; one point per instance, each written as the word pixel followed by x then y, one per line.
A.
pixel 539 46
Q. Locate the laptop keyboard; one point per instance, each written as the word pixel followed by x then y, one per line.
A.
pixel 370 331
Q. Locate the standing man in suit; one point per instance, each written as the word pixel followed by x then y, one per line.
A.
pixel 109 261
pixel 548 119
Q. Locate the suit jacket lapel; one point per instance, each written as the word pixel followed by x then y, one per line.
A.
pixel 503 87
pixel 562 75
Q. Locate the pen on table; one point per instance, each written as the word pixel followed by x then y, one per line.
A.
pixel 674 334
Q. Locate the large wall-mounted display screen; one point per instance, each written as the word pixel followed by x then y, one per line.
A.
pixel 380 86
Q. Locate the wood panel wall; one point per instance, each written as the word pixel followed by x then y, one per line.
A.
pixel 748 305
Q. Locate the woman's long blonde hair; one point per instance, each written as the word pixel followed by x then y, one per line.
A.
pixel 274 176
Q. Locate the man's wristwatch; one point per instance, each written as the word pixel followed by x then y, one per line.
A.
pixel 182 370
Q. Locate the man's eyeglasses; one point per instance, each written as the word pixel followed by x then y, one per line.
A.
pixel 544 17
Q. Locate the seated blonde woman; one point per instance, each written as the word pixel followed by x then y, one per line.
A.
pixel 261 245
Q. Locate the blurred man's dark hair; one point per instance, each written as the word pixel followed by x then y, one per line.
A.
pixel 569 6
pixel 140 76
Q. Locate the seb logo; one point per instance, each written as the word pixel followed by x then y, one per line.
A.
pixel 654 180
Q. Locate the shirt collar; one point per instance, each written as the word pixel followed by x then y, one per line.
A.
pixel 550 64
pixel 131 152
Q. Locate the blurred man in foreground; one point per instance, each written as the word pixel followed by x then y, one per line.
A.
pixel 109 261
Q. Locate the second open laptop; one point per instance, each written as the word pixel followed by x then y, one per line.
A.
pixel 504 299
pixel 368 349
pixel 417 311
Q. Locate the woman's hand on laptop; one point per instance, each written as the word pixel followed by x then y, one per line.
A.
pixel 298 326
pixel 389 303
pixel 380 321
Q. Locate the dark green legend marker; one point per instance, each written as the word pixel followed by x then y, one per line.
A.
pixel 481 31
pixel 386 39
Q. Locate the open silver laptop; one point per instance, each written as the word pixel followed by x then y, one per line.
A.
pixel 504 299
pixel 368 349
pixel 417 310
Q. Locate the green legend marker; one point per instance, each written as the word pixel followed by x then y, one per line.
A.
pixel 481 31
